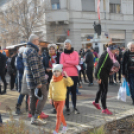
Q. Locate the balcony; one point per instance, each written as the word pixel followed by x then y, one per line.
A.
pixel 57 15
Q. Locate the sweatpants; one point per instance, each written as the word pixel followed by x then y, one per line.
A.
pixel 59 105
pixel 41 103
pixel 73 92
pixel 102 93
pixel 90 73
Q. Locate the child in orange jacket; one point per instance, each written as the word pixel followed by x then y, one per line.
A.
pixel 57 94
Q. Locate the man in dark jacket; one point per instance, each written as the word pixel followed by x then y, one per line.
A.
pixel 89 60
pixel 128 67
pixel 3 60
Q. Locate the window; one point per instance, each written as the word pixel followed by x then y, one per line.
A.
pixel 55 4
pixel 115 8
pixel 88 5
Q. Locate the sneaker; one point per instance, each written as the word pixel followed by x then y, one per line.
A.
pixel 115 81
pixel 17 109
pixel 43 116
pixel 96 105
pixel 80 86
pixel 34 118
pixel 68 111
pixel 91 84
pixel 54 132
pixel 29 115
pixel 106 111
pixel 64 130
pixel 76 111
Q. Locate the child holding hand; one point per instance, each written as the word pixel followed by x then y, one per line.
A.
pixel 57 94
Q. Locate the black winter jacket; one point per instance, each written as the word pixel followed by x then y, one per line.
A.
pixel 3 60
pixel 126 63
pixel 103 67
pixel 89 59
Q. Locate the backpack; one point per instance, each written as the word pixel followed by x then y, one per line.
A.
pixel 9 67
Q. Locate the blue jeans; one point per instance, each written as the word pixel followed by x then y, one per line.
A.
pixel 131 82
pixel 21 97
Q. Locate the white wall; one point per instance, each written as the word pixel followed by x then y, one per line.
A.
pixel 127 6
pixel 75 5
pixel 63 4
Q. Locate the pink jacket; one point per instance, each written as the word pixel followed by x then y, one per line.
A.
pixel 69 62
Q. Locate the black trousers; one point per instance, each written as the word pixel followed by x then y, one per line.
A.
pixel 73 92
pixel 12 81
pixel 2 75
pixel 119 77
pixel 102 93
pixel 83 73
pixel 90 73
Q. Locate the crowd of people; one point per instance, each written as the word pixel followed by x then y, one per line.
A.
pixel 39 74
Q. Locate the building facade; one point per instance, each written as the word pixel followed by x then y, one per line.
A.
pixel 74 19
pixel 78 16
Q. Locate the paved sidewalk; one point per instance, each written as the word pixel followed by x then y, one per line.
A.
pixel 89 117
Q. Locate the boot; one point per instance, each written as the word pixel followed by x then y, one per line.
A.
pixel 17 109
pixel 26 106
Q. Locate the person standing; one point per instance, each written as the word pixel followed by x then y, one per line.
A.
pixel 105 67
pixel 57 94
pixel 70 59
pixel 89 60
pixel 20 71
pixel 35 76
pixel 128 67
pixel 14 70
pixel 3 60
pixel 50 58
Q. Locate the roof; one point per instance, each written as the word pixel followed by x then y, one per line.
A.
pixel 14 46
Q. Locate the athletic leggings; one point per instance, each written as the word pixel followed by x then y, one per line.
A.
pixel 102 93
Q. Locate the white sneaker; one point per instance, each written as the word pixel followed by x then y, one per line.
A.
pixel 64 130
pixel 34 118
pixel 54 132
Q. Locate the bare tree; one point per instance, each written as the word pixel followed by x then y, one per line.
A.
pixel 20 18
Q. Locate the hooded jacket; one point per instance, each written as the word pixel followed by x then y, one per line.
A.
pixel 103 67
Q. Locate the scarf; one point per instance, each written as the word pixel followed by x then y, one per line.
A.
pixel 34 46
pixel 52 60
pixel 68 51
pixel 56 79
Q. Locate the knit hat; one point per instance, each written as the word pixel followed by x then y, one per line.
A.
pixel 68 41
pixel 57 67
